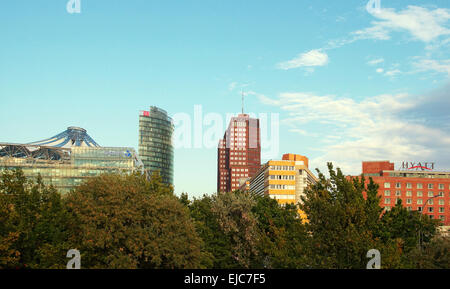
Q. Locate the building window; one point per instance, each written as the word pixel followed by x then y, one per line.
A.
pixel 409 208
pixel 441 186
pixel 409 185
pixel 419 201
pixel 430 194
pixel 419 209
pixel 441 202
pixel 430 186
pixel 398 193
pixel 441 210
pixel 387 193
pixel 409 201
pixel 430 209
pixel 431 202
pixel 441 194
pixel 419 193
pixel 442 218
pixel 409 194
pixel 387 201
pixel 387 185
pixel 398 185
pixel 419 186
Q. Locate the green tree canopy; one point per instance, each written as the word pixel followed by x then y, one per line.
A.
pixel 33 223
pixel 342 223
pixel 129 222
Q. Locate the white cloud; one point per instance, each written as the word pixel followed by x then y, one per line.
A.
pixel 232 86
pixel 307 59
pixel 393 72
pixel 375 128
pixel 423 24
pixel 426 25
pixel 433 65
pixel 376 61
pixel 380 70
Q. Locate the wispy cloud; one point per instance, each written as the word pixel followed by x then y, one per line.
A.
pixel 393 72
pixel 421 23
pixel 232 86
pixel 236 85
pixel 380 127
pixel 308 59
pixel 375 61
pixel 427 25
pixel 442 66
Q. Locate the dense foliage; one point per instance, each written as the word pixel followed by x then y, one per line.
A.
pixel 128 221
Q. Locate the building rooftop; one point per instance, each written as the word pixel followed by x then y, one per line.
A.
pixel 73 136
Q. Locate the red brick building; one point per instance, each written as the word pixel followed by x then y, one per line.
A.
pixel 419 188
pixel 238 153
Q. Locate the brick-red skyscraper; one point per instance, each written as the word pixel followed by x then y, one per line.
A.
pixel 239 152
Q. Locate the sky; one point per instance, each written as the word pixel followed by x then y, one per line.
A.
pixel 346 83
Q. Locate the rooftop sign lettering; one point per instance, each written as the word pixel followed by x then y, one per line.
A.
pixel 417 166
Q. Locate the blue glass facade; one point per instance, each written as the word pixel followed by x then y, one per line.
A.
pixel 155 142
pixel 66 168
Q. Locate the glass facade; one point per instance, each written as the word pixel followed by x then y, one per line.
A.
pixel 155 142
pixel 74 165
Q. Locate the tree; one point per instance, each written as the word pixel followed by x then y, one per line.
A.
pixel 283 235
pixel 342 223
pixel 217 245
pixel 409 226
pixel 236 219
pixel 227 225
pixel 33 225
pixel 434 255
pixel 129 222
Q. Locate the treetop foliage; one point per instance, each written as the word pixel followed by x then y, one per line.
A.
pixel 130 221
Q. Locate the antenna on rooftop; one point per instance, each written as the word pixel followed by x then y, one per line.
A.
pixel 242 91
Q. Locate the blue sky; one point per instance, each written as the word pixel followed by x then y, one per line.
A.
pixel 348 85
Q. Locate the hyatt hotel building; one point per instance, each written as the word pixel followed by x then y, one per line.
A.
pixel 419 188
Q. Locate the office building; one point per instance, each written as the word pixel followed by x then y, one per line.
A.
pixel 68 159
pixel 283 180
pixel 155 142
pixel 417 184
pixel 239 152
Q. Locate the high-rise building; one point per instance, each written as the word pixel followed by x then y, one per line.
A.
pixel 418 186
pixel 68 159
pixel 239 152
pixel 283 180
pixel 155 142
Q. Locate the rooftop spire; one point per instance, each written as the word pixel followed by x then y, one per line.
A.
pixel 242 91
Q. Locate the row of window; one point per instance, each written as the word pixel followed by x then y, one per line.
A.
pixel 280 177
pixel 238 158
pixel 282 197
pixel 282 187
pixel 239 170
pixel 418 201
pixel 282 168
pixel 441 217
pixel 418 185
pixel 431 194
pixel 240 124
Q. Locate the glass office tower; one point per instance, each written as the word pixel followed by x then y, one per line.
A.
pixel 155 142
